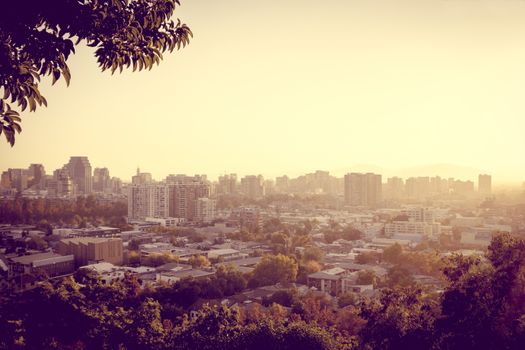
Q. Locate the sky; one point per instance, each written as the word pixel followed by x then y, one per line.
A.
pixel 288 87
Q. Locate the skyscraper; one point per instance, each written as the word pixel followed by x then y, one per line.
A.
pixel 252 186
pixel 148 200
pixel 227 184
pixel 394 188
pixel 36 175
pixel 15 178
pixel 363 189
pixel 183 192
pixel 141 178
pixel 80 173
pixel 101 179
pixel 485 184
pixel 61 185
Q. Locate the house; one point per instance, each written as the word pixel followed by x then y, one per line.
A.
pixel 330 281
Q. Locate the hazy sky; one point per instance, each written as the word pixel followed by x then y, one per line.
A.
pixel 291 86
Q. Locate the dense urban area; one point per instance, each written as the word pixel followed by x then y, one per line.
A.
pixel 90 261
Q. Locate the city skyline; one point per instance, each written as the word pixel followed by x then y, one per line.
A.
pixel 99 177
pixel 322 86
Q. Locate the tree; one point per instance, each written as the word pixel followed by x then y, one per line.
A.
pixel 401 319
pixel 282 297
pixel 351 234
pixel 37 37
pixel 366 277
pixel 484 306
pixel 313 254
pixel 398 276
pixel 393 253
pixel 155 260
pixel 367 258
pixel 273 269
pixel 346 299
pixel 199 261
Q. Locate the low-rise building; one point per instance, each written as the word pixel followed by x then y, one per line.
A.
pixel 89 250
pixel 24 271
pixel 225 254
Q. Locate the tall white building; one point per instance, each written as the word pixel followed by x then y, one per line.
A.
pixel 205 210
pixel 148 200
pixel 174 198
pixel 412 228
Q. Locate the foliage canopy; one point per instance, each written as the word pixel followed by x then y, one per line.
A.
pixel 38 36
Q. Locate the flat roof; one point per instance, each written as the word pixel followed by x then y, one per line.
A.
pixel 89 240
pixel 41 258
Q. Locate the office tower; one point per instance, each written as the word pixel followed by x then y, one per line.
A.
pixel 269 187
pixel 15 178
pixel 395 188
pixel 141 178
pixel 5 180
pixel 36 175
pixel 282 184
pixel 418 187
pixel 116 185
pixel 464 188
pixel 61 185
pixel 253 186
pixel 227 184
pixel 80 173
pixel 101 180
pixel 363 189
pixel 485 184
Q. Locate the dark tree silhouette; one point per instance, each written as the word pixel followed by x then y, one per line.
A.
pixel 38 36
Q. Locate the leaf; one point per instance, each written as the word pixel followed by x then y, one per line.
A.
pixel 56 76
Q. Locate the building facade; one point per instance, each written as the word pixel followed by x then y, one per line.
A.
pixel 363 189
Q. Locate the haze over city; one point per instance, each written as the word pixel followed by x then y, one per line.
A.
pixel 291 87
pixel 262 175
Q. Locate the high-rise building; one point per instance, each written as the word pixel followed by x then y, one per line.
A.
pixel 36 175
pixel 101 180
pixel 80 173
pixel 16 179
pixel 175 197
pixel 61 185
pixel 205 210
pixel 116 185
pixel 227 184
pixel 418 187
pixel 363 189
pixel 464 188
pixel 141 178
pixel 148 200
pixel 252 186
pixel 183 198
pixel 248 218
pixel 282 183
pixel 395 188
pixel 485 184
